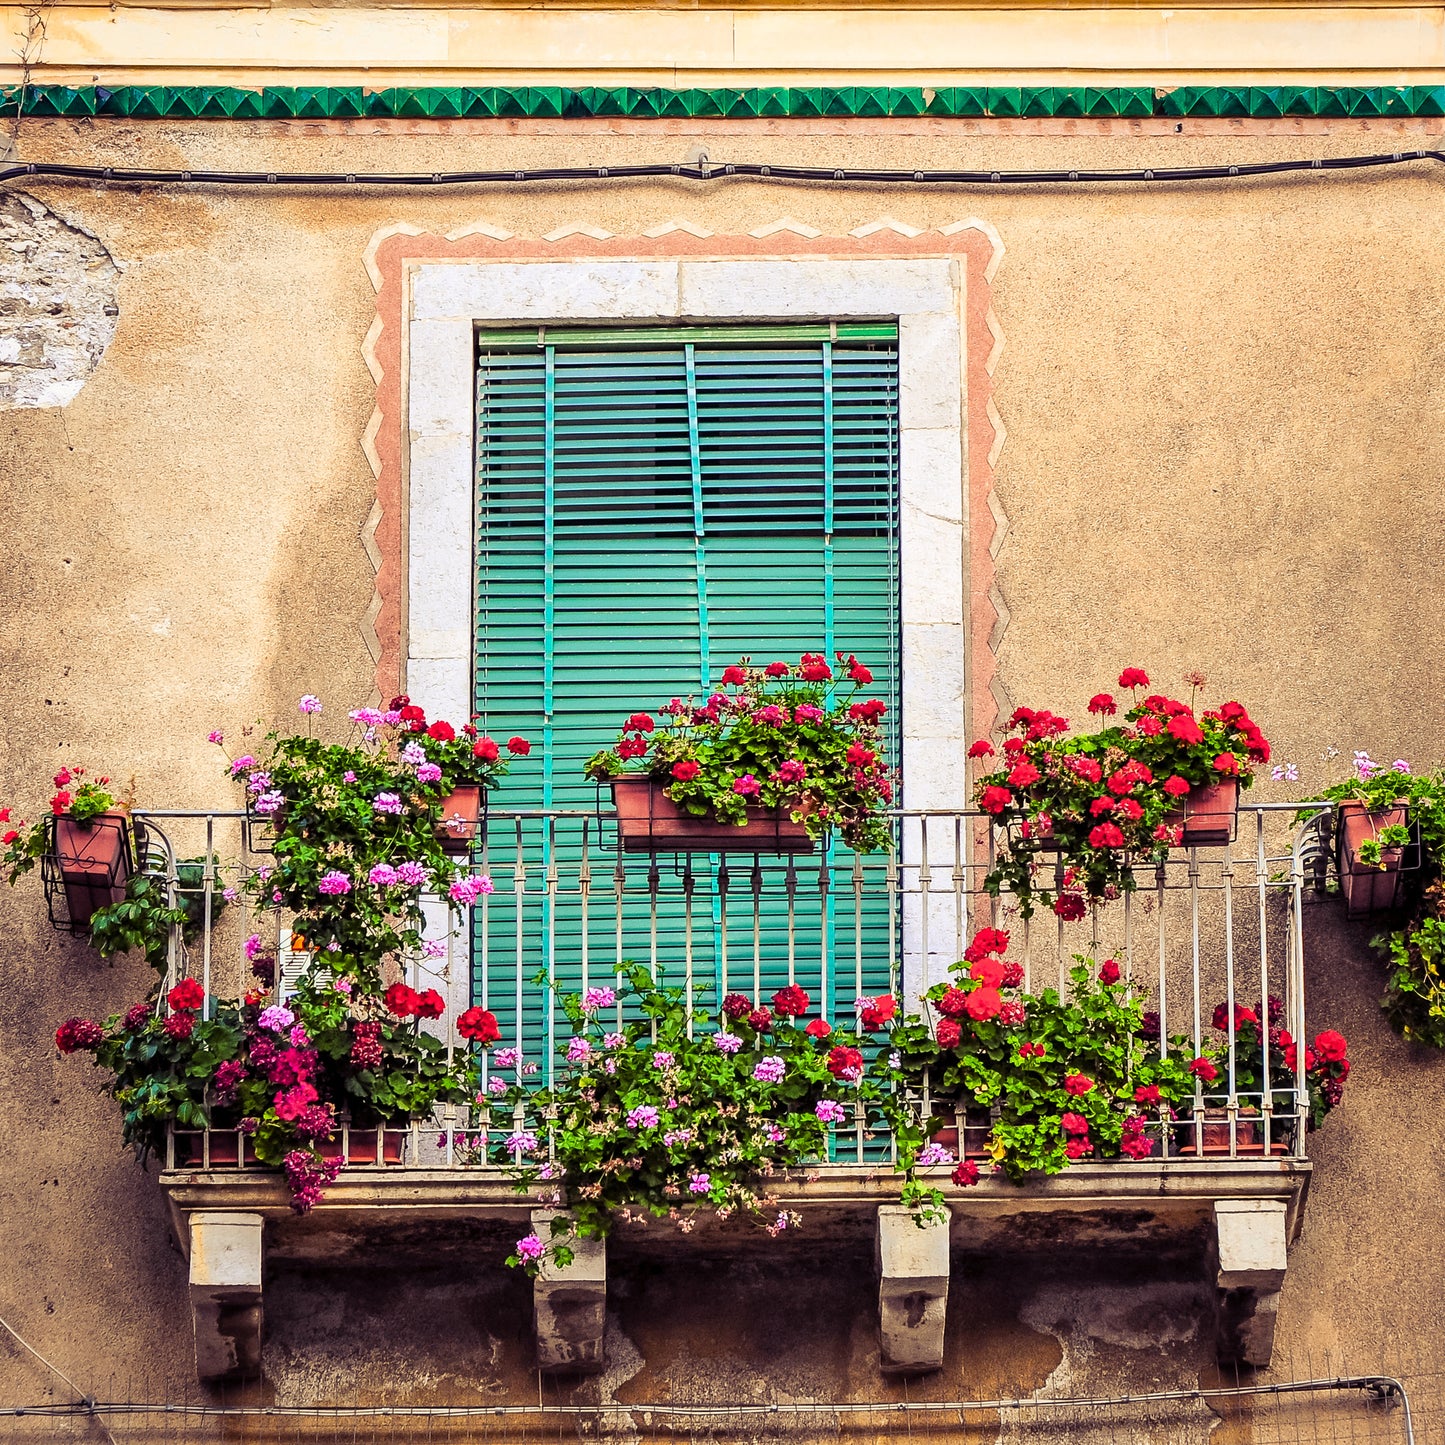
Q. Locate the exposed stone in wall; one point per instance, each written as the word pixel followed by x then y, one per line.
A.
pixel 57 304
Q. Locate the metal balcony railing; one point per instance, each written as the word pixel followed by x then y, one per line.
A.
pixel 1207 927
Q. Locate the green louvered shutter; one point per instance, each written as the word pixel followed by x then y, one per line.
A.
pixel 653 505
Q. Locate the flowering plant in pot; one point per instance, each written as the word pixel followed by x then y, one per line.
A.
pixel 1326 1067
pixel 654 1117
pixel 1065 1079
pixel 1389 822
pixel 792 740
pixel 1082 811
pixel 84 846
pixel 357 825
pixel 283 1076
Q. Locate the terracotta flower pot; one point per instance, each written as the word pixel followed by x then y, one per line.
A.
pixel 650 822
pixel 1213 1135
pixel 361 1147
pixel 94 862
pixel 462 812
pixel 225 1150
pixel 1210 815
pixel 966 1139
pixel 1368 888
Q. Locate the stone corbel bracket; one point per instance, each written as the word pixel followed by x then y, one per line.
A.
pixel 913 1267
pixel 570 1304
pixel 1252 1259
pixel 226 1293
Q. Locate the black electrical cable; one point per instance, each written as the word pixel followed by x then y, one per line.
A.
pixel 700 172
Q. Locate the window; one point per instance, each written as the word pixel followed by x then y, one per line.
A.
pixel 652 504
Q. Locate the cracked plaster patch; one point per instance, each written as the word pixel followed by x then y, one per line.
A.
pixel 57 305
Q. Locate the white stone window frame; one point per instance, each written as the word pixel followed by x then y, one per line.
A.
pixel 446 302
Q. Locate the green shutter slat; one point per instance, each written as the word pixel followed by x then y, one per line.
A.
pixel 596 338
pixel 652 505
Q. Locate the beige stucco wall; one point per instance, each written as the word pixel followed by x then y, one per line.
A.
pixel 1223 452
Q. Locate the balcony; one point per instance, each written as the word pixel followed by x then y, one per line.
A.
pixel 1225 1181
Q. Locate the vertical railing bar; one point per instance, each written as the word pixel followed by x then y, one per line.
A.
pixel 790 886
pixel 1198 1005
pixel 960 883
pixel 858 882
pixel 756 880
pixel 208 874
pixel 825 906
pixel 550 882
pixel 519 891
pixel 724 880
pixel 688 883
pixel 584 900
pixel 1159 879
pixel 892 884
pixel 925 901
pixel 1226 873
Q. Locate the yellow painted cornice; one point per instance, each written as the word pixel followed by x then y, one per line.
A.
pixel 750 44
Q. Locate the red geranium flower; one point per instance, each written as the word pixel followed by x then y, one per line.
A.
pixel 1133 677
pixel 761 1020
pixel 1331 1046
pixel 995 799
pixel 486 750
pixel 876 1012
pixel 518 747
pixel 790 1002
pixel 1078 1148
pixel 430 1005
pixel 815 668
pixel 1013 975
pixel 954 1002
pixel 1074 1124
pixel 639 722
pixel 1183 727
pixel 1104 704
pixel 1077 1084
pixel 965 1173
pixel 734 676
pixel 401 1000
pixel 983 1004
pixel 479 1025
pixel 869 711
pixel 985 942
pixel 1106 835
pixel 845 1063
pixel 442 731
pixel 187 994
pixel 686 770
pixel 861 757
pixel 1109 971
pixel 1227 764
pixel 777 669
pixel 981 749
pixel 1176 786
pixel 632 748
pixel 1129 809
pixel 59 803
pixel 987 971
pixel 1023 773
pixel 76 1034
pixel 949 1033
pixel 1147 1094
pixel 179 1026
pixel 819 1029
pixel 1070 907
pixel 1101 805
pixel 1204 1069
pixel 737 1005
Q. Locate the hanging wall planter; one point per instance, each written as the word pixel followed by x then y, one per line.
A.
pixel 464 815
pixel 86 866
pixel 648 821
pixel 1369 887
pixel 1210 816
